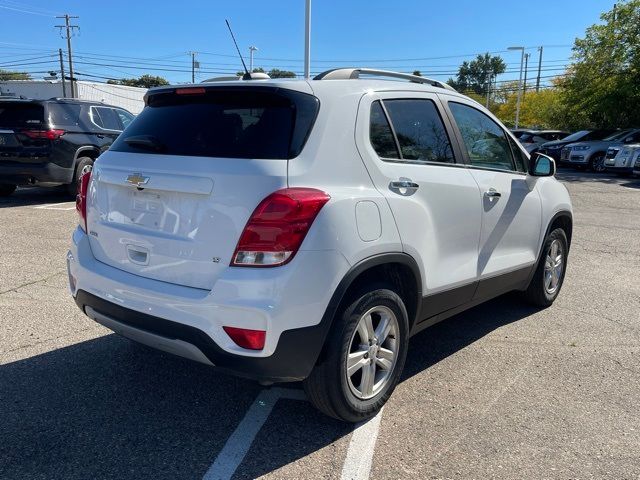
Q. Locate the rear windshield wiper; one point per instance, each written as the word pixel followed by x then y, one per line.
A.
pixel 148 142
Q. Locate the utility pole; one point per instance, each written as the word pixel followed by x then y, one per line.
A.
pixel 539 69
pixel 251 50
pixel 69 29
pixel 307 40
pixel 519 83
pixel 489 88
pixel 193 67
pixel 64 85
pixel 526 68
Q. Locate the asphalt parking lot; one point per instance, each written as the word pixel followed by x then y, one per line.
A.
pixel 501 391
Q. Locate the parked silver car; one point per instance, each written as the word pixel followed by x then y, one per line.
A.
pixel 621 159
pixel 592 154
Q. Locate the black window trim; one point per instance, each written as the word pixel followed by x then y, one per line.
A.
pixel 451 99
pixel 401 159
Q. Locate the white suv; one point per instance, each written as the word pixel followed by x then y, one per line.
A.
pixel 290 230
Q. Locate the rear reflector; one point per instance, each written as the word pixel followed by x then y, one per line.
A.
pixel 245 338
pixel 81 199
pixel 277 227
pixel 190 91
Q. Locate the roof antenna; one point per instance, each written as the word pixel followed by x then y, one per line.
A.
pixel 247 75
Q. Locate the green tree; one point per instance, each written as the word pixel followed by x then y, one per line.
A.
pixel 144 81
pixel 277 73
pixel 602 86
pixel 9 75
pixel 474 76
pixel 417 73
pixel 541 109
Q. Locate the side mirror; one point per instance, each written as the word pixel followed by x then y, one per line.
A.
pixel 541 165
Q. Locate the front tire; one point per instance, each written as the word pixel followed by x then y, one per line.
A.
pixel 549 275
pixel 366 351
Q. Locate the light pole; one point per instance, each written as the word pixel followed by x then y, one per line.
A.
pixel 307 39
pixel 519 83
pixel 251 50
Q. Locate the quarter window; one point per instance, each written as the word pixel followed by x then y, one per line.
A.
pixel 519 156
pixel 419 129
pixel 485 141
pixel 380 133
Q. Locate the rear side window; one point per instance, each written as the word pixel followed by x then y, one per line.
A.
pixel 106 118
pixel 64 114
pixel 125 117
pixel 16 114
pixel 485 141
pixel 244 122
pixel 420 131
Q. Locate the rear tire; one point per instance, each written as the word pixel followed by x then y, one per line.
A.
pixel 7 189
pixel 358 375
pixel 549 275
pixel 72 188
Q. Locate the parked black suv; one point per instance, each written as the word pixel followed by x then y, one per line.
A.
pixel 49 142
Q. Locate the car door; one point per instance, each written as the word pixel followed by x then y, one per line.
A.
pixel 404 140
pixel 510 204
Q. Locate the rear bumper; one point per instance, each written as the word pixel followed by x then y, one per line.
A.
pixel 19 173
pixel 293 359
pixel 289 303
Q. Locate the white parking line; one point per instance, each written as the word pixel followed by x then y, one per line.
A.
pixel 241 439
pixel 56 206
pixel 357 465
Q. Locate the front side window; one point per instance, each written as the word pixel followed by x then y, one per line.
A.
pixel 485 141
pixel 519 156
pixel 419 130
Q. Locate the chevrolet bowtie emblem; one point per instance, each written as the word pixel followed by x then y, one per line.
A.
pixel 137 179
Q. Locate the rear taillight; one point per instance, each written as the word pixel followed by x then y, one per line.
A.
pixel 277 227
pixel 245 338
pixel 81 198
pixel 51 134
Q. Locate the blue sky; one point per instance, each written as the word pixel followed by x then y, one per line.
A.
pixel 156 37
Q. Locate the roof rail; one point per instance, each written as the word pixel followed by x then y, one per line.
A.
pixel 69 99
pixel 354 73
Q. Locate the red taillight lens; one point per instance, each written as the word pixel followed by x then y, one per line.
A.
pixel 277 227
pixel 245 338
pixel 51 134
pixel 81 199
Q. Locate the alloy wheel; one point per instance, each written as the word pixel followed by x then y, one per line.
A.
pixel 373 351
pixel 553 267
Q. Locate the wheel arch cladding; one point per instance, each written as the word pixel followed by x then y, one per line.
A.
pixel 563 220
pixel 397 269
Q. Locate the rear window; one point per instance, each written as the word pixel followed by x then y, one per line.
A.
pixel 21 114
pixel 243 122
